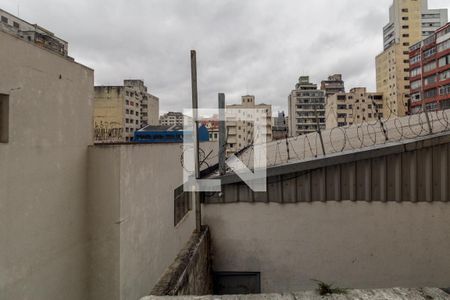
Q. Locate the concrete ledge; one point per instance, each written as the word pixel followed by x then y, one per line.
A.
pixel 379 294
pixel 190 273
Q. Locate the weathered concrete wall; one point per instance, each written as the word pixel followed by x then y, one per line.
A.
pixel 131 218
pixel 43 186
pixel 190 273
pixel 384 294
pixel 352 244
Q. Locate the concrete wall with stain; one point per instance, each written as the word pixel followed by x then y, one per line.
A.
pixel 43 186
pixel 131 213
pixel 352 244
pixel 109 112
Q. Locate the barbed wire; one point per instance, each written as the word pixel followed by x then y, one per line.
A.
pixel 384 128
pixel 354 137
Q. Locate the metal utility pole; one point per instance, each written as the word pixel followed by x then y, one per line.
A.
pixel 195 194
pixel 286 136
pixel 319 131
pixel 424 107
pixel 222 134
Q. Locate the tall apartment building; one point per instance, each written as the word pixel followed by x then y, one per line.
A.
pixel 121 110
pixel 430 71
pixel 355 107
pixel 409 22
pixel 32 33
pixel 171 118
pixel 334 84
pixel 280 126
pixel 306 108
pixel 240 134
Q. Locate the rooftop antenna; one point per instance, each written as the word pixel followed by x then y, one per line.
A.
pixel 18 9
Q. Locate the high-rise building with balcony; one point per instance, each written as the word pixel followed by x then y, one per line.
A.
pixel 334 84
pixel 430 72
pixel 357 106
pixel 306 108
pixel 240 133
pixel 409 22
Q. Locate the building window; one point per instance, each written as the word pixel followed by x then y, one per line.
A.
pixel 4 19
pixel 404 10
pixel 444 61
pixel 416 84
pixel 415 97
pixel 430 93
pixel 444 46
pixel 444 76
pixel 445 90
pixel 405 18
pixel 182 204
pixel 415 59
pixel 430 79
pixel 4 118
pixel 429 52
pixel 415 72
pixel 16 25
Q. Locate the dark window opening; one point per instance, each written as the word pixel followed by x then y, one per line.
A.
pixel 237 283
pixel 182 204
pixel 4 118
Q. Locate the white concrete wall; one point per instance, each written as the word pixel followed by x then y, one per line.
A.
pixel 132 217
pixel 352 244
pixel 43 186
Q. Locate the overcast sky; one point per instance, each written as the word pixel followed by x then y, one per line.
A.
pixel 257 47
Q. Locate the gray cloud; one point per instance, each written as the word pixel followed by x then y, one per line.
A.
pixel 257 47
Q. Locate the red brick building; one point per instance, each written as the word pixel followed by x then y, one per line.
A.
pixel 429 72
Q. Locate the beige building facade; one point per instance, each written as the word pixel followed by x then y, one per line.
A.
pixel 240 133
pixel 119 111
pixel 409 22
pixel 357 106
pixel 392 75
pixel 46 125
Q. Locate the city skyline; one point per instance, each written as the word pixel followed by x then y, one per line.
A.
pixel 242 49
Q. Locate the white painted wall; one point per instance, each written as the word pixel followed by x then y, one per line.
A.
pixel 352 244
pixel 43 186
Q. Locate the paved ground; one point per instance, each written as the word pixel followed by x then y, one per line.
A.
pixel 381 294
